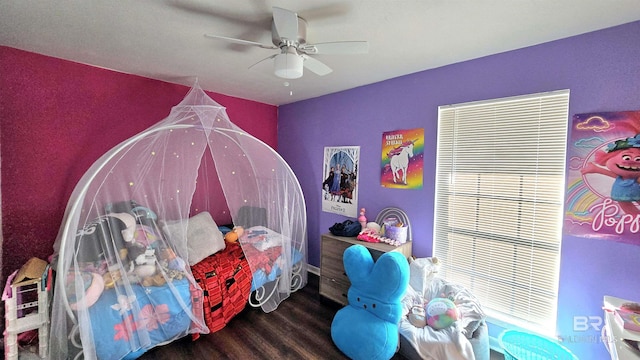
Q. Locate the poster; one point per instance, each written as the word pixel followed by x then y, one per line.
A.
pixel 402 159
pixel 340 180
pixel 603 183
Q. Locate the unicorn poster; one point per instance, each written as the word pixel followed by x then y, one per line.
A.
pixel 340 180
pixel 402 159
pixel 603 188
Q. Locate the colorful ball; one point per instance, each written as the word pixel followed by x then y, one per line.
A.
pixel 441 313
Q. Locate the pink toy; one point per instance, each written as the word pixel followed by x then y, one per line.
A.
pixel 362 219
pixel 93 287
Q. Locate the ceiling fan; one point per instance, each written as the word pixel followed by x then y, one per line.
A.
pixel 289 35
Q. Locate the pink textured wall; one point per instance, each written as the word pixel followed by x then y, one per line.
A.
pixel 56 118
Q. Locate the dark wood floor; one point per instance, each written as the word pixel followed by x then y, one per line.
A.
pixel 299 329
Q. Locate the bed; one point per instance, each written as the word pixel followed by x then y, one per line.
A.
pixel 159 312
pixel 128 277
pixel 245 272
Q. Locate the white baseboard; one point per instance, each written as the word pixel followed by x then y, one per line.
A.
pixel 313 269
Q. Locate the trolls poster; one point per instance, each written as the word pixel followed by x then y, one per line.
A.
pixel 603 184
pixel 402 159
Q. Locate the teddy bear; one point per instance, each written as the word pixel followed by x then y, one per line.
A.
pixel 367 328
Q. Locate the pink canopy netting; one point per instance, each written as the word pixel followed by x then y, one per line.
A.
pixel 123 281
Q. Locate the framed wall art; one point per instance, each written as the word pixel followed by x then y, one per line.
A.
pixel 340 180
pixel 603 180
pixel 402 159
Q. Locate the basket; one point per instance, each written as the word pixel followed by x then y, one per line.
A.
pixel 397 233
pixel 518 345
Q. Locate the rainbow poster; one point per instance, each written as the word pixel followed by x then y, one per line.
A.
pixel 402 159
pixel 603 180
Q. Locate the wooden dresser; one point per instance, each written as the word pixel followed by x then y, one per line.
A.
pixel 334 283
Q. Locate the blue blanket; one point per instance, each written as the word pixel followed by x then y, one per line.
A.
pixel 123 332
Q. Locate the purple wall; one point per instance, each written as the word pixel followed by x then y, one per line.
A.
pixel 602 70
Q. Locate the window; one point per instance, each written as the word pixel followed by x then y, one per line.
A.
pixel 499 201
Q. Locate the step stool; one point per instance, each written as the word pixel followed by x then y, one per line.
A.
pixel 27 306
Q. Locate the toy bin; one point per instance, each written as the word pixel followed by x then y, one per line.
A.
pixel 397 233
pixel 518 345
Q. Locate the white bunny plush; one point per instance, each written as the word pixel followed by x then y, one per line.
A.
pixel 417 316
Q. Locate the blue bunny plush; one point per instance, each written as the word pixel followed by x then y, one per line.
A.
pixel 367 328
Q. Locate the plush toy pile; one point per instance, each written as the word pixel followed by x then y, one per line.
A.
pixel 128 234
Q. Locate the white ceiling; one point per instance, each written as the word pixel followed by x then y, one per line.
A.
pixel 164 39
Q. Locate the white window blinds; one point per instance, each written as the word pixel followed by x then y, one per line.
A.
pixel 499 200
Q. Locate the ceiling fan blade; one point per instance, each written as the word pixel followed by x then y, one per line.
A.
pixel 316 66
pixel 240 41
pixel 263 60
pixel 286 23
pixel 338 47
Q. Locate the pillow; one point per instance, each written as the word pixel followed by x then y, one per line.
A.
pixel 203 237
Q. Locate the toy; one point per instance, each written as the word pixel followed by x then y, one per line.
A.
pixel 93 284
pixel 362 219
pixel 26 303
pixel 374 226
pixel 173 262
pixel 111 278
pixel 441 313
pixel 154 280
pixel 417 316
pixel 145 264
pixel 367 328
pixel 233 235
pixel 142 249
pixel 138 247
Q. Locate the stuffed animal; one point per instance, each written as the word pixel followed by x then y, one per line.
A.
pixel 145 264
pixel 367 328
pixel 441 313
pixel 417 316
pixel 83 298
pixel 111 278
pixel 233 235
pixel 172 260
pixel 375 226
pixel 154 280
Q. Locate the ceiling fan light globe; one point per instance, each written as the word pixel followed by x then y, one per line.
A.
pixel 288 66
